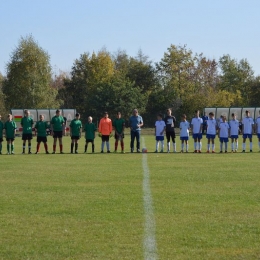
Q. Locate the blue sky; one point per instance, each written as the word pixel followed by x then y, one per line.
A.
pixel 66 29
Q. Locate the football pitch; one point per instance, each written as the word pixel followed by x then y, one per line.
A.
pixel 130 206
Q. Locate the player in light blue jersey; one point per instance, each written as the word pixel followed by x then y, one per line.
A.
pixel 234 131
pixel 223 133
pixel 257 122
pixel 184 133
pixel 211 131
pixel 247 130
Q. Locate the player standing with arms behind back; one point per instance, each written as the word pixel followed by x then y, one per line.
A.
pixel 223 134
pixel 135 123
pixel 211 131
pixel 90 130
pixel 105 129
pixel 196 127
pixel 160 127
pixel 247 130
pixel 1 133
pixel 258 129
pixel 27 123
pixel 57 130
pixel 41 127
pixel 10 129
pixel 119 125
pixel 75 132
pixel 170 122
pixel 184 133
pixel 234 130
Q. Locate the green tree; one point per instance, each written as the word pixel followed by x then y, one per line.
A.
pixel 255 93
pixel 90 80
pixel 2 97
pixel 236 76
pixel 28 77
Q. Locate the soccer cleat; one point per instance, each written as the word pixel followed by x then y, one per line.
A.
pixel 168 151
pixel 138 150
pixel 61 152
pixel 235 151
pixel 155 151
pixel 102 151
pixel 108 151
pixel 220 152
pixel 122 151
pixel 207 151
pixel 115 151
pixel 0 152
pixel 132 150
pixel 76 152
pixel 29 152
pixel 225 151
pixel 71 151
pixel 243 151
pixel 53 152
pixel 199 151
pixel 161 151
pixel 232 151
pixel 213 151
pixel 36 153
pixel 251 151
pixel 195 151
pixel 181 151
pixel 23 152
pixel 12 152
pixel 8 153
pixel 187 151
pixel 47 152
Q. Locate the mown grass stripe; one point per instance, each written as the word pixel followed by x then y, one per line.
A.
pixel 150 247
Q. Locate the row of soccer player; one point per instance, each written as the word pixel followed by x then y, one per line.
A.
pixel 162 126
pixel 224 129
pixel 57 129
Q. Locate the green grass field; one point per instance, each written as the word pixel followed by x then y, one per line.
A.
pixel 91 206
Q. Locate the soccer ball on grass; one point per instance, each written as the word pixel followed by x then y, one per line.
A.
pixel 144 150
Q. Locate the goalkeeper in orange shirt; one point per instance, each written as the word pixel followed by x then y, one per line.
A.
pixel 105 130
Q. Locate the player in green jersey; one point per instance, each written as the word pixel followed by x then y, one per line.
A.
pixel 57 130
pixel 75 132
pixel 41 127
pixel 119 126
pixel 90 129
pixel 27 124
pixel 10 129
pixel 1 133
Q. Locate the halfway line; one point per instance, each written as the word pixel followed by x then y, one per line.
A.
pixel 150 247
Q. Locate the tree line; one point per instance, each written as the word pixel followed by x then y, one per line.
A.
pixel 98 82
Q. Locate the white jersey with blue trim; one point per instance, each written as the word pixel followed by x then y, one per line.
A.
pixel 234 127
pixel 258 125
pixel 211 126
pixel 223 130
pixel 247 122
pixel 184 127
pixel 196 123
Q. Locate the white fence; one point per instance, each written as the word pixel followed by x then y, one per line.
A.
pixel 227 111
pixel 47 113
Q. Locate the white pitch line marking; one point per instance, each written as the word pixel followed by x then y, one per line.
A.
pixel 150 247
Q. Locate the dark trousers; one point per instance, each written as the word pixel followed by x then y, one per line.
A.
pixel 135 134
